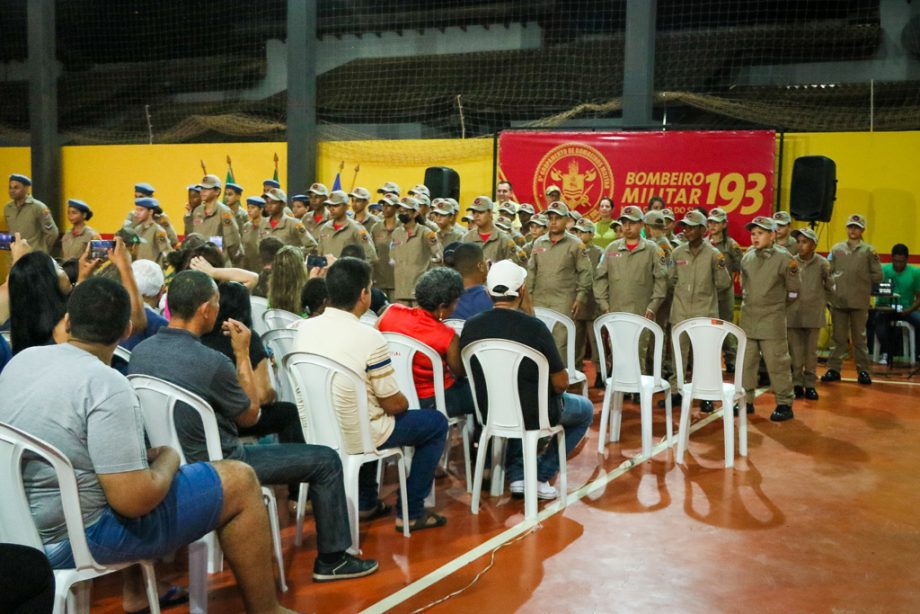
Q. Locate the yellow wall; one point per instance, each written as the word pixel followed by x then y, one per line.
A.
pixel 876 176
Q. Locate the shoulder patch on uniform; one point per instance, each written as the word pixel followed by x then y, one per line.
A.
pixel 793 267
pixel 300 228
pixel 721 260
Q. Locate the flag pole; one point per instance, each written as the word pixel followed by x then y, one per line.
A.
pixel 204 169
pixel 354 179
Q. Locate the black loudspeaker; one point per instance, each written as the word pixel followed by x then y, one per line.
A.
pixel 442 182
pixel 814 188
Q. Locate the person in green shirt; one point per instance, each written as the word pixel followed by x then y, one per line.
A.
pixel 606 226
pixel 905 283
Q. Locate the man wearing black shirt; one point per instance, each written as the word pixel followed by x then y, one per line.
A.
pixel 513 319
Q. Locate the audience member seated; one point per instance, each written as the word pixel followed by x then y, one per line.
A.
pixel 38 302
pixel 277 417
pixel 378 298
pixel 176 354
pixel 468 260
pixel 436 293
pixel 338 334
pixel 26 580
pixel 905 282
pixel 148 276
pixel 314 296
pixel 136 503
pixel 268 248
pixel 6 353
pixel 289 276
pixel 512 319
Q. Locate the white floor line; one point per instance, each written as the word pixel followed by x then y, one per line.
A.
pixel 877 380
pixel 486 547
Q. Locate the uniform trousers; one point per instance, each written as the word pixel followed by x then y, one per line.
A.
pixel 803 351
pixel 849 325
pixel 584 337
pixel 776 356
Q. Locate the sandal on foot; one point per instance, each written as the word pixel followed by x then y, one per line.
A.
pixel 428 520
pixel 175 595
pixel 380 510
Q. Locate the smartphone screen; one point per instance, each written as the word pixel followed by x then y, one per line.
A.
pixel 100 249
pixel 218 241
pixel 316 261
pixel 6 239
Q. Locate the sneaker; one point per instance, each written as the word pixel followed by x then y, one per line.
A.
pixel 863 378
pixel 347 567
pixel 883 359
pixel 832 375
pixel 811 394
pixel 544 490
pixel 799 391
pixel 781 413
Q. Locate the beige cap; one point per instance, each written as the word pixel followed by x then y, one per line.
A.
pixel 762 221
pixel 667 214
pixel 558 207
pixel 422 199
pixel 856 220
pixel 467 218
pixel 575 215
pixel 361 194
pixel 442 206
pixel 337 197
pixel 808 233
pixel 420 189
pixel 539 219
pixel 632 213
pixel 655 219
pixel 318 189
pixel 509 207
pixel 388 187
pixel 407 202
pixel 276 194
pixel 691 218
pixel 782 218
pixel 526 208
pixel 584 225
pixel 553 189
pixel 453 204
pixel 481 203
pixel 390 198
pixel 503 223
pixel 210 181
pixel 718 215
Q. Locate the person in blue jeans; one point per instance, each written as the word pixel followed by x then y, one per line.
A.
pixel 512 319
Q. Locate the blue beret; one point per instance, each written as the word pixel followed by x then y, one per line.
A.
pixel 301 198
pixel 255 201
pixel 21 179
pixel 194 188
pixel 144 188
pixel 147 202
pixel 271 182
pixel 234 186
pixel 79 205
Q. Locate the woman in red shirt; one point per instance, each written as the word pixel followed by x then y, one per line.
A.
pixel 436 294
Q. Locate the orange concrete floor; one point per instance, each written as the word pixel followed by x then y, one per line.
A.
pixel 822 516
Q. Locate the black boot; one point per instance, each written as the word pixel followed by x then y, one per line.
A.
pixel 863 378
pixel 707 407
pixel 675 401
pixel 781 413
pixel 799 391
pixel 832 375
pixel 749 408
pixel 811 394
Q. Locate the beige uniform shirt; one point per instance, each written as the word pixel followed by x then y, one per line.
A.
pixel 696 277
pixel 500 246
pixel 249 235
pixel 790 245
pixel 558 274
pixel 73 245
pixel 33 222
pixel 590 311
pixel 311 223
pixel 808 310
pixel 289 231
pixel 854 269
pixel 451 235
pixel 631 281
pixel 412 254
pixel 517 237
pixel 332 241
pixel 383 268
pixel 732 252
pixel 218 223
pixel 156 244
pixel 769 279
pixel 368 222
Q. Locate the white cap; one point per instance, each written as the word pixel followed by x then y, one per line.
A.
pixel 505 278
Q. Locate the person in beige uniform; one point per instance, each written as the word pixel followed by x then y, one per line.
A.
pixel 29 217
pixel 805 316
pixel 282 226
pixel 551 195
pixel 855 267
pixel 718 238
pixel 424 209
pixel 697 275
pixel 509 210
pixel 75 240
pixel 255 206
pixel 316 216
pixel 382 236
pixel 525 213
pixel 784 238
pixel 213 218
pixel 584 323
pixel 496 244
pixel 443 214
pixel 154 244
pixel 414 249
pixel 360 199
pixel 769 279
pixel 559 272
pixel 341 230
pixel 233 194
pixel 145 190
pixel 300 207
pixel 538 226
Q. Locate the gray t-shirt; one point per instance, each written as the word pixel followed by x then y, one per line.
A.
pixel 178 356
pixel 87 410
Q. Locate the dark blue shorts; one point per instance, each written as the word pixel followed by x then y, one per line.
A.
pixel 189 511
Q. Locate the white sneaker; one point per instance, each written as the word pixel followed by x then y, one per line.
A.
pixel 883 359
pixel 544 489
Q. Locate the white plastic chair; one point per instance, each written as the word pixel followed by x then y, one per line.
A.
pixel 550 318
pixel 281 343
pixel 123 353
pixel 312 376
pixel 500 360
pixel 278 318
pixel 707 336
pixel 7 335
pixel 259 306
pixel 455 324
pixel 368 317
pixel 908 343
pixel 158 399
pixel 17 526
pixel 625 331
pixel 402 353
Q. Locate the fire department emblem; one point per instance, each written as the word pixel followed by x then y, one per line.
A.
pixel 581 171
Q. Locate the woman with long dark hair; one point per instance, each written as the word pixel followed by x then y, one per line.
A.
pixel 38 302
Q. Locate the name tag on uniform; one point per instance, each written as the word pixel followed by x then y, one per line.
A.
pixel 680 262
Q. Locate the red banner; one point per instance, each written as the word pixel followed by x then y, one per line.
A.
pixel 732 170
